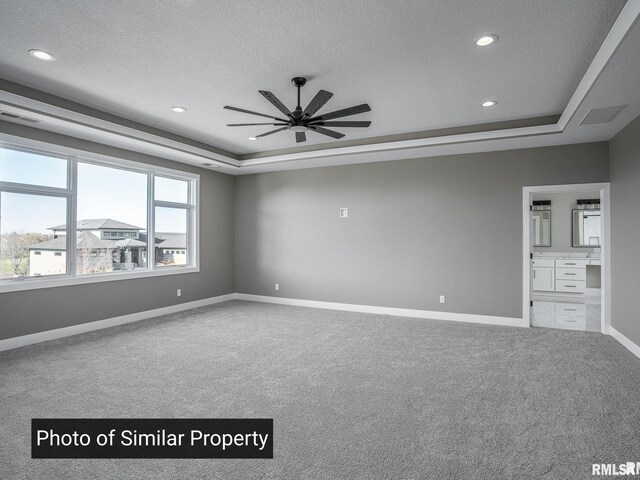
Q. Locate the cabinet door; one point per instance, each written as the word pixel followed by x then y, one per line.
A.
pixel 543 279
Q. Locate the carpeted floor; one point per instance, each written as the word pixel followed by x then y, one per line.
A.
pixel 353 396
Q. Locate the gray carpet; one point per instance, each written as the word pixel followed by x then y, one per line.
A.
pixel 353 396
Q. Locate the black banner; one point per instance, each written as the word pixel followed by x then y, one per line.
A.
pixel 151 438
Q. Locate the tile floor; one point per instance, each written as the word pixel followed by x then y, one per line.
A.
pixel 570 312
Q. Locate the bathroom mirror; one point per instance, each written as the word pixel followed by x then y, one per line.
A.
pixel 586 228
pixel 541 228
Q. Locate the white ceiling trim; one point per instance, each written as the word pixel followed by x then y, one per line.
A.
pixel 410 144
pixel 51 115
pixel 76 124
pixel 619 31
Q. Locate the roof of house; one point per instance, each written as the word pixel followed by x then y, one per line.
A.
pixel 89 240
pixel 171 240
pixel 168 240
pixel 59 243
pixel 85 240
pixel 99 224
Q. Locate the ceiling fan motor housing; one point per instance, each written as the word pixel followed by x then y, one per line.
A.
pixel 299 81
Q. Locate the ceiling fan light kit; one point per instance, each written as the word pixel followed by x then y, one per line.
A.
pixel 300 121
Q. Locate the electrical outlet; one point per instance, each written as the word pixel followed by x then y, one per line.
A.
pixel 179 292
pixel 442 299
pixel 344 213
pixel 277 286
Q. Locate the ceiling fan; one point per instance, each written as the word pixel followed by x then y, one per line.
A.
pixel 301 121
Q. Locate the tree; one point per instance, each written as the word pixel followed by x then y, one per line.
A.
pixel 14 248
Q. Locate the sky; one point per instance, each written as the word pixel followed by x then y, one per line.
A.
pixel 103 192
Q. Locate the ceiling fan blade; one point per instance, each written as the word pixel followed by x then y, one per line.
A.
pixel 236 109
pixel 345 112
pixel 327 132
pixel 272 132
pixel 275 102
pixel 341 124
pixel 301 137
pixel 317 103
pixel 249 124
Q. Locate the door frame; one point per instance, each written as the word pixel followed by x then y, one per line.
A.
pixel 605 249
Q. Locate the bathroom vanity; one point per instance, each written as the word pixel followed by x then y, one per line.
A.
pixel 562 272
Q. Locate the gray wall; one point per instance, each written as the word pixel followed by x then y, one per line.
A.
pixel 625 231
pixel 33 311
pixel 416 228
pixel 561 224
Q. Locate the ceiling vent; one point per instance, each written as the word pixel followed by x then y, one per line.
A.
pixel 601 115
pixel 14 116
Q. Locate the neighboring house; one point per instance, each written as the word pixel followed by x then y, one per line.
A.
pixel 105 245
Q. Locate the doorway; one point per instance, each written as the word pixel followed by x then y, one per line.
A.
pixel 566 254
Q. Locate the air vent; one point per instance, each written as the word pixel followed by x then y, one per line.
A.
pixel 601 115
pixel 18 117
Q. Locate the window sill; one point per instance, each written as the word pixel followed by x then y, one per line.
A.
pixel 35 283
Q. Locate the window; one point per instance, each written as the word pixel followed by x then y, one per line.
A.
pixel 111 198
pixel 27 215
pixel 171 190
pixel 173 215
pixel 17 166
pixel 119 218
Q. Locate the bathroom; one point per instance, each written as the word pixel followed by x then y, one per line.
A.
pixel 566 264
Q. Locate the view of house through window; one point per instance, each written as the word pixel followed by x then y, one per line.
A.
pixel 113 210
pixel 28 246
pixel 171 236
pixel 112 219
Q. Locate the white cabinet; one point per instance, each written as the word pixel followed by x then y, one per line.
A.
pixel 571 275
pixel 561 275
pixel 543 279
pixel 543 274
pixel 570 263
pixel 573 286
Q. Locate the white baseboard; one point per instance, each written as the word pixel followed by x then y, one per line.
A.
pixel 628 344
pixel 399 312
pixel 16 342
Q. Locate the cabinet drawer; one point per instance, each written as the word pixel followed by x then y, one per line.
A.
pixel 570 309
pixel 572 263
pixel 576 286
pixel 571 273
pixel 543 262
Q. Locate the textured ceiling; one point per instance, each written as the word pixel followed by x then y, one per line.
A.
pixel 413 61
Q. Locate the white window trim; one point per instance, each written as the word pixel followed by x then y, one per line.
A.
pixel 74 156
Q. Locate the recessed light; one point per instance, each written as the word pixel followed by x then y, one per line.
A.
pixel 485 40
pixel 489 103
pixel 179 109
pixel 42 55
pixel 253 138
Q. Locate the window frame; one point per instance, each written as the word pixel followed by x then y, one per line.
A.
pixel 74 157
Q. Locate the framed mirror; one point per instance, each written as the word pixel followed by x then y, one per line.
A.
pixel 541 228
pixel 586 228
